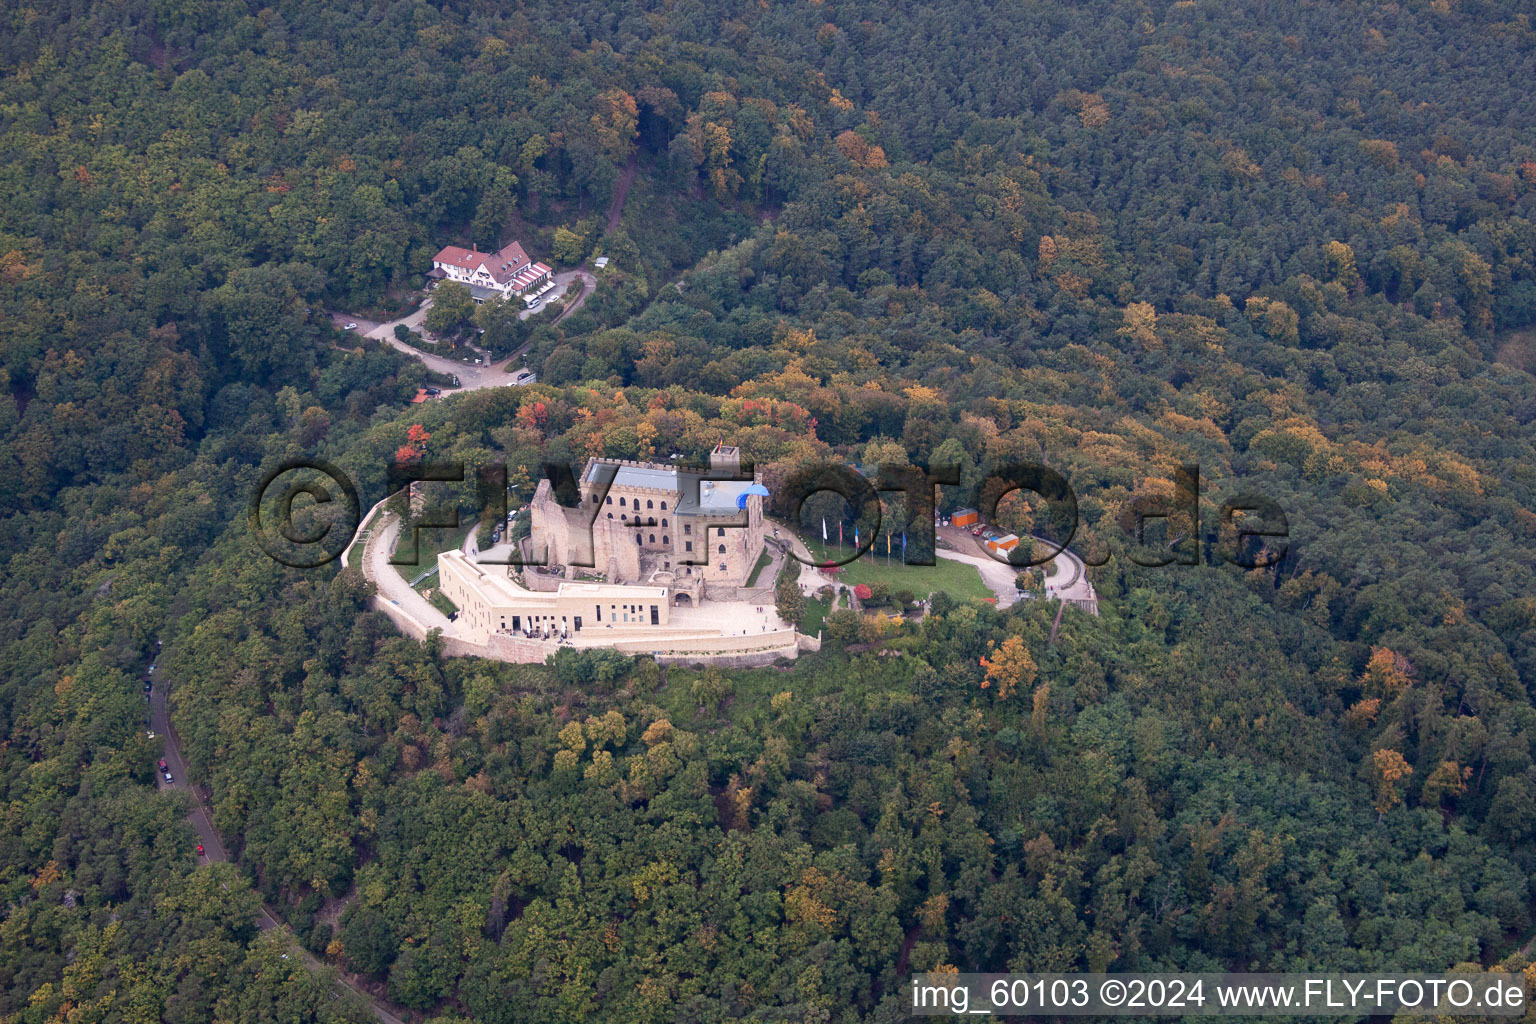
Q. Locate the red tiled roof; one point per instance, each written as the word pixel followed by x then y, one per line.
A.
pixel 468 259
pixel 503 266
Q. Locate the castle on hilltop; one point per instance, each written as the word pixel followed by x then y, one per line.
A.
pixel 658 525
pixel 664 540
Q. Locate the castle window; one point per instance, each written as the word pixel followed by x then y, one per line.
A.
pixel 687 529
pixel 688 546
pixel 621 502
pixel 653 538
pixel 663 506
pixel 650 504
pixel 610 499
pixel 663 520
pixel 721 532
pixel 665 539
pixel 722 549
pixel 594 499
pixel 610 515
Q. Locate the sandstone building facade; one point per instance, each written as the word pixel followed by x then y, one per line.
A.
pixel 657 525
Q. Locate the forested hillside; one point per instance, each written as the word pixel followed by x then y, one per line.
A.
pixel 1292 244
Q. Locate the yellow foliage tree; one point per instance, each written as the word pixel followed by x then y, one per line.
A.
pixel 1009 668
pixel 616 124
pixel 1341 263
pixel 1041 711
pixel 1140 325
pixel 1390 769
pixel 1449 779
pixel 1386 674
pixel 1364 712
pixel 859 152
pixel 1380 151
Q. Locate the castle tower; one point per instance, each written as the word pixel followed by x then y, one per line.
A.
pixel 725 458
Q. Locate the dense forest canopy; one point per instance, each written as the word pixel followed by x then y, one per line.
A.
pixel 1292 244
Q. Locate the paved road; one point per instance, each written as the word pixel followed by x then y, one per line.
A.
pixel 471 377
pixel 213 846
pixel 1069 581
pixel 376 567
pixel 159 721
pixel 589 284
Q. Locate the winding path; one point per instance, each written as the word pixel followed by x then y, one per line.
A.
pixel 471 377
pixel 1067 582
pixel 376 567
pixel 213 846
pixel 588 286
pixel 621 193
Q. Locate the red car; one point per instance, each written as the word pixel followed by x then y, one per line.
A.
pixel 199 849
pixel 162 764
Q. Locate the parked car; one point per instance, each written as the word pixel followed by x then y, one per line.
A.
pixel 199 849
pixel 162 764
pixel 975 531
pixel 433 391
pixel 350 327
pixel 524 377
pixel 167 777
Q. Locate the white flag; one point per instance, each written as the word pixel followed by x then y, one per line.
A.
pixel 823 529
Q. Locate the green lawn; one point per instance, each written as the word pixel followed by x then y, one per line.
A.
pixel 442 603
pixel 811 619
pixel 762 563
pixel 430 544
pixel 960 581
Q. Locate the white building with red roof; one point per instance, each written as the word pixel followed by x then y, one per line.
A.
pixel 508 273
